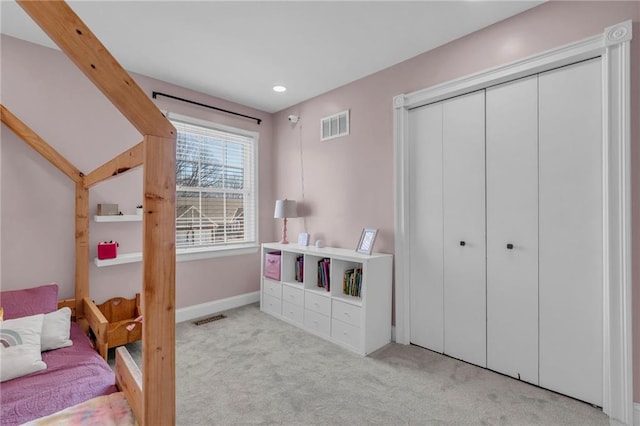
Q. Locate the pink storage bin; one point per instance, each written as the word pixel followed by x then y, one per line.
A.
pixel 272 266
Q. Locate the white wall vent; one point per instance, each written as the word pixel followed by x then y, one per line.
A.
pixel 334 126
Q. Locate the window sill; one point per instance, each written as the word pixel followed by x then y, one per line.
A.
pixel 185 255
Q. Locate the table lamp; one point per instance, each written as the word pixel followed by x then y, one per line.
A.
pixel 285 209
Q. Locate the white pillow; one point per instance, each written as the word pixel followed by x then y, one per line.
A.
pixel 55 330
pixel 20 347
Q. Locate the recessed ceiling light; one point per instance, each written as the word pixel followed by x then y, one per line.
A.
pixel 279 88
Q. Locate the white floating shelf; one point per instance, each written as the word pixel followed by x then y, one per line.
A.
pixel 118 218
pixel 122 258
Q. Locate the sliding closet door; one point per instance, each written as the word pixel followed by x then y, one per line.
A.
pixel 464 228
pixel 512 229
pixel 571 224
pixel 425 181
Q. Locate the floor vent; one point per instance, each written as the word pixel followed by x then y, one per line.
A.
pixel 209 319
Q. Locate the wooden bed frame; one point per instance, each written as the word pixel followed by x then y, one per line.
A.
pixel 156 152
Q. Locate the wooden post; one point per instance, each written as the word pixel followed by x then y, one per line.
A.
pixel 159 257
pixel 82 247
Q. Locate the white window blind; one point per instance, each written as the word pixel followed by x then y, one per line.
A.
pixel 215 185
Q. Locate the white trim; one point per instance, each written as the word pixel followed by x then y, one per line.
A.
pixel 187 255
pixel 403 260
pixel 613 45
pixel 216 306
pixel 252 233
pixel 118 218
pixel 636 414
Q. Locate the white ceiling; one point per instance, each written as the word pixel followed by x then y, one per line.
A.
pixel 238 50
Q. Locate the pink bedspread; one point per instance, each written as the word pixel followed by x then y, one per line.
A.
pixel 73 375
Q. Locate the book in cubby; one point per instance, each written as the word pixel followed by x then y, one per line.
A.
pixel 352 282
pixel 324 276
pixel 299 268
pixel 290 267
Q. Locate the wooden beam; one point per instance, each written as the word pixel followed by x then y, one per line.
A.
pixel 77 41
pixel 159 263
pixel 124 162
pixel 82 247
pixel 129 381
pixel 37 143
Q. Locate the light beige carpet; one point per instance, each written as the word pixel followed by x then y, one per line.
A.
pixel 251 368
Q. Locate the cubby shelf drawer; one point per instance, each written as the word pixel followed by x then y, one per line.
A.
pixel 317 323
pixel 293 295
pixel 346 312
pixel 317 303
pixel 292 312
pixel 272 305
pixel 345 333
pixel 272 288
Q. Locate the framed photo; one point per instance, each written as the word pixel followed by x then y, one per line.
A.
pixel 367 239
pixel 303 239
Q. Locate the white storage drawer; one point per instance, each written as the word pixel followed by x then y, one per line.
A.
pixel 292 312
pixel 346 312
pixel 271 304
pixel 317 303
pixel 272 288
pixel 293 295
pixel 346 333
pixel 316 322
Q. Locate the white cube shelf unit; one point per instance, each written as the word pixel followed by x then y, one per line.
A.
pixel 361 323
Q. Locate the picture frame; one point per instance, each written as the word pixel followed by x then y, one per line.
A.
pixel 303 239
pixel 367 239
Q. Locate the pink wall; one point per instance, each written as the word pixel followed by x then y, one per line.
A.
pixel 43 88
pixel 348 182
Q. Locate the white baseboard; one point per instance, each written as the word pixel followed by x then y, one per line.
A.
pixel 636 413
pixel 215 306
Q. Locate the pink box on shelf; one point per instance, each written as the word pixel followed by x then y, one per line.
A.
pixel 107 250
pixel 272 265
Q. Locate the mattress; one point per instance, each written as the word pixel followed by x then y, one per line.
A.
pixel 73 375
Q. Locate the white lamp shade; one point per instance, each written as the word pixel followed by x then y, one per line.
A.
pixel 285 208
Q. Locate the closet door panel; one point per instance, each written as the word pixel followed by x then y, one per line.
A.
pixel 464 228
pixel 512 229
pixel 426 281
pixel 571 225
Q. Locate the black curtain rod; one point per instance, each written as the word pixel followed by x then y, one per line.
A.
pixel 156 94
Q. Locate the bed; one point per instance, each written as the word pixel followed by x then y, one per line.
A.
pixel 156 152
pixel 73 374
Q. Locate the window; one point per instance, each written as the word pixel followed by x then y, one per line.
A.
pixel 215 186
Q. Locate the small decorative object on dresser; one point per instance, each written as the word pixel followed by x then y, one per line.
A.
pixel 303 239
pixel 139 209
pixel 367 239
